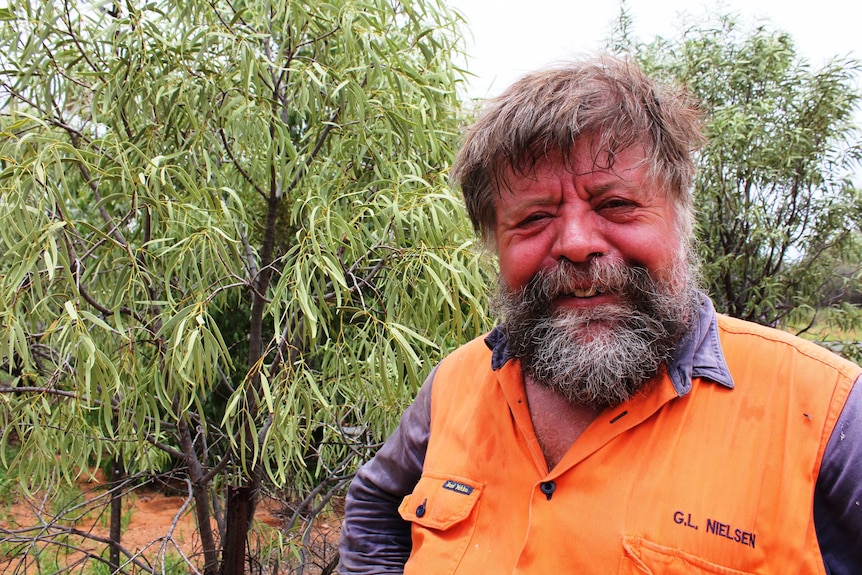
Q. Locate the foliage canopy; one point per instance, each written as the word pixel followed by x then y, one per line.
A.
pixel 778 210
pixel 227 245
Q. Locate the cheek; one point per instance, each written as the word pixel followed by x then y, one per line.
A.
pixel 520 262
pixel 660 253
pixel 511 268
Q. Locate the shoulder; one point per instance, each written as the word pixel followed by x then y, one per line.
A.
pixel 477 352
pixel 772 348
pixel 466 377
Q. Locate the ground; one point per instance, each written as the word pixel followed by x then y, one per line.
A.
pixel 159 528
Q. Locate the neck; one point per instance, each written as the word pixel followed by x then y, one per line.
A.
pixel 557 422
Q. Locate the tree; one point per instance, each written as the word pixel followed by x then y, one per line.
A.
pixel 777 205
pixel 227 249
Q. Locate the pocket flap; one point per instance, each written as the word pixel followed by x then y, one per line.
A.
pixel 643 556
pixel 439 502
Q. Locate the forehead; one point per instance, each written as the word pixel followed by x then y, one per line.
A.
pixel 584 166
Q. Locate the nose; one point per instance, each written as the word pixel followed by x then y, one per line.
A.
pixel 578 237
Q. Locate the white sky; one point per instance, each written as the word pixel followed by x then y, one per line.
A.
pixel 513 37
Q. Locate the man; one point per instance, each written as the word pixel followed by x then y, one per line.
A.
pixel 613 422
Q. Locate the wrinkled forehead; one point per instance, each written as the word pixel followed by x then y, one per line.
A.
pixel 586 157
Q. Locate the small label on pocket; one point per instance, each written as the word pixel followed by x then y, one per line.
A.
pixel 457 487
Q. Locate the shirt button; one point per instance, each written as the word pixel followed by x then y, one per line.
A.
pixel 420 511
pixel 548 488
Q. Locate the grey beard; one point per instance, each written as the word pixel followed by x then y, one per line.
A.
pixel 598 365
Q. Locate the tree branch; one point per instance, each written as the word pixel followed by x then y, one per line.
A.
pixel 237 165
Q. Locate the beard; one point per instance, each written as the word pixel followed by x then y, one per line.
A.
pixel 603 355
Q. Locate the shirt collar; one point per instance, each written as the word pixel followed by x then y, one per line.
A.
pixel 697 355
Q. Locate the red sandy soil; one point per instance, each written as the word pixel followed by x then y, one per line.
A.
pixel 158 525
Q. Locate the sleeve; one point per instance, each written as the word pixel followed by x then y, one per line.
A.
pixel 374 537
pixel 838 492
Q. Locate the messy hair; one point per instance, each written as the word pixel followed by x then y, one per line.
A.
pixel 610 100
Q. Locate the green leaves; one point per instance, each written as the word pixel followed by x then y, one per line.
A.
pixel 774 193
pixel 228 216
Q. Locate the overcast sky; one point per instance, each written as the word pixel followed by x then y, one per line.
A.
pixel 512 37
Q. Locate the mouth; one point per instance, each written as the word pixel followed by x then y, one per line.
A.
pixel 589 292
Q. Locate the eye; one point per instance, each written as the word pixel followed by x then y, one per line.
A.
pixel 617 207
pixel 533 219
pixel 616 203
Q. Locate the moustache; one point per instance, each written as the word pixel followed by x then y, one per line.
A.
pixel 599 276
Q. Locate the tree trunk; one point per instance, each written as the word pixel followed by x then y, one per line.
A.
pixel 202 516
pixel 241 502
pixel 200 492
pixel 116 528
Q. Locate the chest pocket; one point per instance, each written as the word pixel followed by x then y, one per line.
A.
pixel 442 511
pixel 645 557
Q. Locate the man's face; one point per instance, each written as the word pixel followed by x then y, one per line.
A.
pixel 583 213
pixel 596 289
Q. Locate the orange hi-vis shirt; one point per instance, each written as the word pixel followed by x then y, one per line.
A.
pixel 718 480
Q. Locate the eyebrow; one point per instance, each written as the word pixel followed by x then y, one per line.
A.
pixel 536 199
